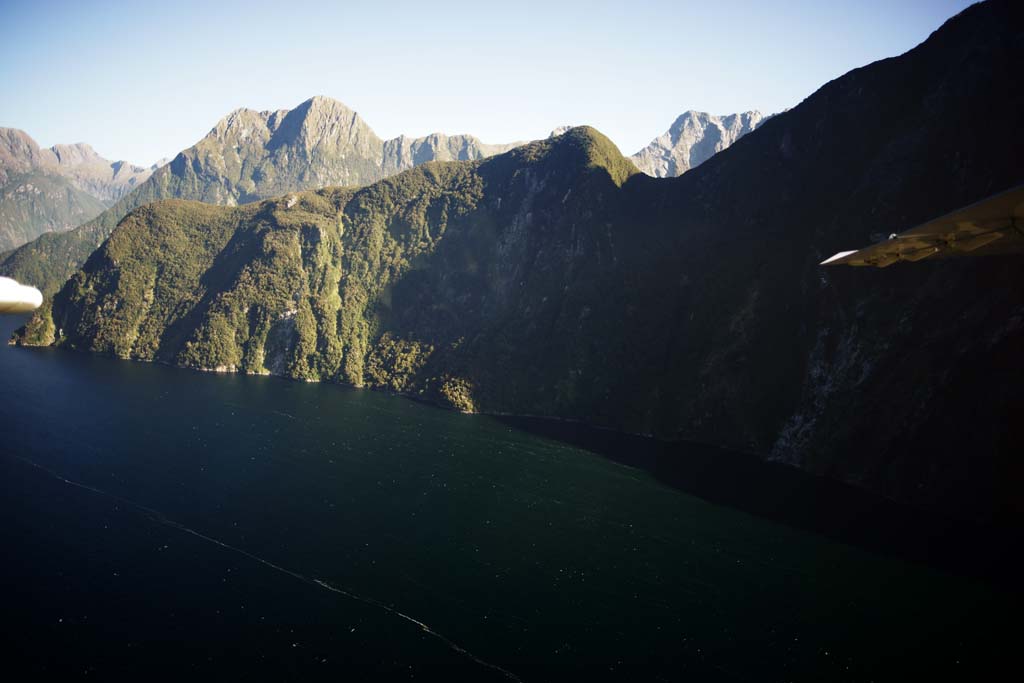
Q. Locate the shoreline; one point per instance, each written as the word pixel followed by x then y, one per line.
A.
pixel 986 550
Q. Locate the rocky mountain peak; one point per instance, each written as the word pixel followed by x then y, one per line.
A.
pixel 251 155
pixel 322 123
pixel 78 154
pixel 36 194
pixel 693 138
pixel 241 124
pixel 323 105
pixel 77 163
pixel 19 153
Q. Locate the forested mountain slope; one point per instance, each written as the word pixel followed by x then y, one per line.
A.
pixel 250 155
pixel 557 280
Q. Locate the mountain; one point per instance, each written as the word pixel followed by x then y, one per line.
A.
pixel 55 189
pixel 560 130
pixel 402 153
pixel 342 249
pixel 251 155
pixel 39 202
pixel 557 280
pixel 35 197
pixel 692 139
pixel 106 180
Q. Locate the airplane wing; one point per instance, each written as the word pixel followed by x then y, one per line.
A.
pixel 991 226
pixel 15 298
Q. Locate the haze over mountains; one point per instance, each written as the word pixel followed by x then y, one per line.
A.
pixel 557 280
pixel 42 190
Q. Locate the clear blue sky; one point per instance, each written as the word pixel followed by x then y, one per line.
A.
pixel 143 80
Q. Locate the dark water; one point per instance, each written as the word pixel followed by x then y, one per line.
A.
pixel 159 522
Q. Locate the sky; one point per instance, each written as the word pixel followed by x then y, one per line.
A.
pixel 144 80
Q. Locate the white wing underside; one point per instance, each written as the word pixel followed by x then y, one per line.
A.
pixel 991 226
pixel 16 298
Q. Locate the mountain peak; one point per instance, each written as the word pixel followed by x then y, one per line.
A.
pixel 705 118
pixel 324 102
pixel 239 121
pixel 593 149
pixel 559 131
pixel 693 138
pixel 326 124
pixel 77 163
pixel 250 155
pixel 320 107
pixel 15 136
pixel 76 154
pixel 18 151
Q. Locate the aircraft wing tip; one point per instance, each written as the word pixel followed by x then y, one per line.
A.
pixel 831 260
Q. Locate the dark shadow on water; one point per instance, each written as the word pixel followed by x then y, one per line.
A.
pixel 784 494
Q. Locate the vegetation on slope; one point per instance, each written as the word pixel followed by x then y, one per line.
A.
pixel 55 189
pixel 317 285
pixel 246 157
pixel 556 280
pixel 37 202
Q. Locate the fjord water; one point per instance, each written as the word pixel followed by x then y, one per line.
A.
pixel 160 521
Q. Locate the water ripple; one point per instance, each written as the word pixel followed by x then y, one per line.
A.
pixel 160 518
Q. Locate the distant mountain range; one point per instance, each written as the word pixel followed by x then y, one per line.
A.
pixel 556 280
pixel 106 180
pixel 692 139
pixel 250 155
pixel 43 190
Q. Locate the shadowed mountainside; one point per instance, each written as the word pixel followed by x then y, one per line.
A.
pixel 556 280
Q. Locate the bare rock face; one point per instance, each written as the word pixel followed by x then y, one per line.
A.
pixel 19 153
pixel 402 153
pixel 247 156
pixel 56 189
pixel 251 155
pixel 693 139
pixel 559 131
pixel 36 194
pixel 106 180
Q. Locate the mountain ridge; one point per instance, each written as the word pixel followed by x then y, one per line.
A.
pixel 37 194
pixel 101 178
pixel 247 156
pixel 555 280
pixel 693 138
